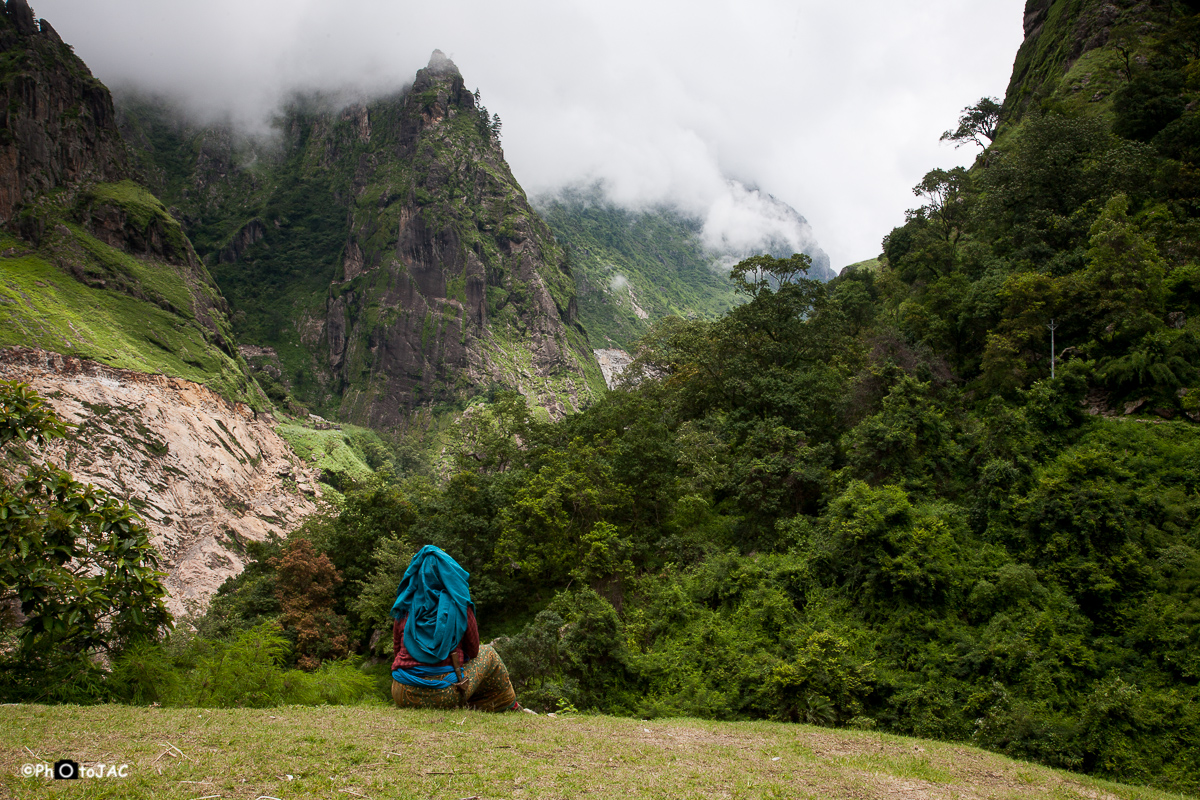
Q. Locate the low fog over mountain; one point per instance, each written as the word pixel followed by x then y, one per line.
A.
pixel 663 103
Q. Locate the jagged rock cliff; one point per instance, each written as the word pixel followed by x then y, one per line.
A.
pixel 1080 52
pixel 56 120
pixel 384 251
pixel 447 275
pixel 207 475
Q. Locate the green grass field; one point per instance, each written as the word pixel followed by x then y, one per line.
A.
pixel 329 449
pixel 43 306
pixel 376 751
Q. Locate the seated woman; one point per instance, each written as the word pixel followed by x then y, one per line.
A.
pixel 438 660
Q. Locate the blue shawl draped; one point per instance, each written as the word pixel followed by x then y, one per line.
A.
pixel 435 596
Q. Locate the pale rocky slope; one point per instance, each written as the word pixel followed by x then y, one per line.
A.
pixel 206 474
pixel 613 362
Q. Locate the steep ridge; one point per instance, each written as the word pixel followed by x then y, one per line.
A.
pixel 384 250
pixel 91 264
pixel 1078 54
pixel 1061 34
pixel 56 126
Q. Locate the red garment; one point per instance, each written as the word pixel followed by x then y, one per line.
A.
pixel 468 648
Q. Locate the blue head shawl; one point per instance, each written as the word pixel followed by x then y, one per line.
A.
pixel 435 596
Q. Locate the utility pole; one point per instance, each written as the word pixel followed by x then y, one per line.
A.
pixel 1053 326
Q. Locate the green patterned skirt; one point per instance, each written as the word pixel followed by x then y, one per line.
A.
pixel 488 687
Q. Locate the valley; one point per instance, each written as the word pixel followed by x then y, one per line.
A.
pixel 949 492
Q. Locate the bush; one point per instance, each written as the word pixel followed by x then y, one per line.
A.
pixel 246 672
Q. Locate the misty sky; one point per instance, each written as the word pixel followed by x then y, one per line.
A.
pixel 835 108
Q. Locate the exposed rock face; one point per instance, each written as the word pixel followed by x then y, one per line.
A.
pixel 613 362
pixel 57 125
pixel 1035 16
pixel 252 232
pixel 120 281
pixel 207 475
pixel 480 285
pixel 58 132
pixel 1057 33
pixel 440 66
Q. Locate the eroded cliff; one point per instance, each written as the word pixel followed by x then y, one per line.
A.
pixel 56 120
pixel 207 475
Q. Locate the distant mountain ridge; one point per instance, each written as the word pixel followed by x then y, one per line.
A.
pixel 747 221
pixel 634 266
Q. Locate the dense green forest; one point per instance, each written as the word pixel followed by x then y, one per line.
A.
pixel 886 502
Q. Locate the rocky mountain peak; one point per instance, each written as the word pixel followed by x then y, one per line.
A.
pixel 21 15
pixel 431 278
pixel 441 65
pixel 442 76
pixel 59 129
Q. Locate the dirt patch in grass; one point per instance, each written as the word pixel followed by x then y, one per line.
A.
pixel 376 751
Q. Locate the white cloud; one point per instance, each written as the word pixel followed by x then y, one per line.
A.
pixel 835 108
pixel 741 218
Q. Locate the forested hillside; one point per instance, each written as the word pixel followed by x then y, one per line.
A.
pixel 633 267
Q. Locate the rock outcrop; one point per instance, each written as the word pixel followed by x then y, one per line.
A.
pixel 1058 33
pixel 57 126
pixel 612 361
pixel 207 475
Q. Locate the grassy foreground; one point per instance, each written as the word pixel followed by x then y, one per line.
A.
pixel 380 752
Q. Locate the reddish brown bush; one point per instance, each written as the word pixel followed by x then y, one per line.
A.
pixel 304 587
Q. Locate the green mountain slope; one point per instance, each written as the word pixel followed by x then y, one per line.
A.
pixel 383 251
pixel 634 267
pixel 91 264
